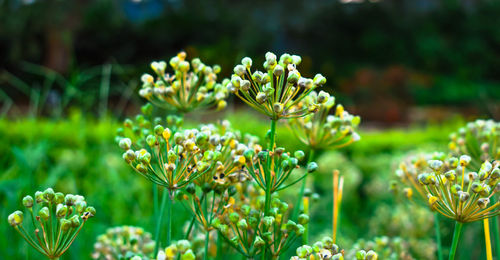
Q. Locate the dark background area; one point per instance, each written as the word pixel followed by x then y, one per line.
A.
pixel 391 61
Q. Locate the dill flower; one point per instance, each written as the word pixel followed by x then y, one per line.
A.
pixel 192 85
pixel 271 170
pixel 390 248
pixel 56 220
pixel 414 165
pixel 124 242
pixel 245 227
pixel 479 139
pixel 326 249
pixel 322 130
pixel 181 249
pixel 460 194
pixel 172 160
pixel 277 90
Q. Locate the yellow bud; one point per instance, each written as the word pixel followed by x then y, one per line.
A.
pixel 181 55
pixel 432 201
pixel 452 145
pixel 242 160
pixel 339 111
pixel 166 134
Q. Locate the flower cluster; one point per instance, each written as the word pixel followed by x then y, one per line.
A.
pixel 58 217
pixel 245 227
pixel 193 85
pixel 322 130
pixel 479 139
pixel 124 242
pixel 272 169
pixel 414 165
pixel 387 248
pixel 460 195
pixel 326 249
pixel 278 90
pixel 181 249
pixel 172 160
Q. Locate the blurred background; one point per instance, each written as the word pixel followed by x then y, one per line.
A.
pixel 414 71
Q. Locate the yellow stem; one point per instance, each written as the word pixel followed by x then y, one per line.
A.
pixel 487 240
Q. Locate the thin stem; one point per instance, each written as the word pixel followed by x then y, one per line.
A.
pixel 487 239
pixel 302 188
pixel 207 240
pixel 496 234
pixel 159 221
pixel 438 236
pixel 456 238
pixel 170 202
pixel 207 233
pixel 272 134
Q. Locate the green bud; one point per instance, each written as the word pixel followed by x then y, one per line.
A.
pixel 312 167
pixel 75 222
pixel 278 70
pixel 159 130
pixel 361 255
pixel 242 224
pixel 65 225
pixel 16 218
pixel 258 242
pixel 61 210
pixel 49 194
pixel 80 206
pixel 303 219
pixel 291 226
pixel 299 154
pixel 39 197
pixel 44 213
pixel 151 140
pixel 234 217
pixel 28 201
pixel 278 108
pixel 125 143
pixel 59 198
pixel 183 245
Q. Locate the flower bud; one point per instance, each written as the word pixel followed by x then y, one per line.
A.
pixel 49 194
pixel 234 217
pixel 319 79
pixel 151 140
pixel 239 70
pixel 464 160
pixel 61 210
pixel 323 97
pixel 247 62
pixel 303 219
pixel 278 108
pixel 312 167
pixel 125 143
pixel 16 218
pixel 75 222
pixel 242 224
pixel 65 225
pixel 44 213
pixel 39 197
pixel 28 201
pixel 278 70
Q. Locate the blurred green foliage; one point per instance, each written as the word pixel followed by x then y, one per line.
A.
pixel 78 155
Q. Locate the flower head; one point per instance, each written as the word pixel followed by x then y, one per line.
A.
pixel 124 242
pixel 460 194
pixel 322 130
pixel 58 217
pixel 278 89
pixel 479 139
pixel 192 85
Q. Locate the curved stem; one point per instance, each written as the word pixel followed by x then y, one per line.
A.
pixel 159 221
pixel 438 236
pixel 456 238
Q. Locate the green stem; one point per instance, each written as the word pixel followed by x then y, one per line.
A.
pixel 296 211
pixel 207 240
pixel 170 203
pixel 456 238
pixel 159 221
pixel 496 234
pixel 272 134
pixel 438 236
